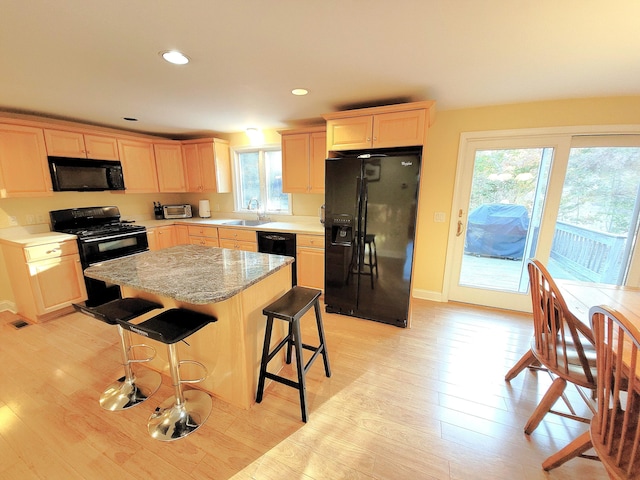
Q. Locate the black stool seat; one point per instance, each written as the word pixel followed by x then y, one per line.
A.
pixel 185 411
pixel 123 309
pixel 131 389
pixel 170 326
pixel 290 308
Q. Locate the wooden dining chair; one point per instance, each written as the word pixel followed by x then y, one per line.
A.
pixel 614 433
pixel 561 343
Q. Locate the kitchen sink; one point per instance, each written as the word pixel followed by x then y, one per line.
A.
pixel 246 223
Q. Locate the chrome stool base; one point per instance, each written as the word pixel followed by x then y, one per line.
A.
pixel 128 392
pixel 172 421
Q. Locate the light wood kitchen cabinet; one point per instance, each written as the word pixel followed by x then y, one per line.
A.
pixel 303 156
pixel 63 143
pixel 138 166
pixel 170 167
pixel 310 261
pixel 208 165
pixel 24 169
pixel 379 127
pixel 202 235
pixel 161 237
pixel 46 279
pixel 238 239
pixel 182 235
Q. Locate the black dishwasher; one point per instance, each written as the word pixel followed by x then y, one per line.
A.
pixel 279 244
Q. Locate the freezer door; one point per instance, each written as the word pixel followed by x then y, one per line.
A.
pixel 342 203
pixel 386 240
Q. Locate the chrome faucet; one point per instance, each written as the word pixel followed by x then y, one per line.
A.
pixel 261 215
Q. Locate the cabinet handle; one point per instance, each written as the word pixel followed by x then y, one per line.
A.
pixel 53 250
pixel 368 139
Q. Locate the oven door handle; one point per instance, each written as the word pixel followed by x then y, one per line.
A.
pixel 111 237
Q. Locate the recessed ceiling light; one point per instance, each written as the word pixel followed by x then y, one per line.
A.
pixel 175 57
pixel 299 91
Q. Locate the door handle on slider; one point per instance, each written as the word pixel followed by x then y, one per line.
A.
pixel 460 229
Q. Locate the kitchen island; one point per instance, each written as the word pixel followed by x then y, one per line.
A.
pixel 232 285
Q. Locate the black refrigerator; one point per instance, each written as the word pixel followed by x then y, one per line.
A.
pixel 370 217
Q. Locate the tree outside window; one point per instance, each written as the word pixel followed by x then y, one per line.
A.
pixel 259 177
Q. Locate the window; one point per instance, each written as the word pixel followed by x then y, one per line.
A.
pixel 259 177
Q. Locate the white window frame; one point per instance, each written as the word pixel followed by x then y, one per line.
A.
pixel 238 207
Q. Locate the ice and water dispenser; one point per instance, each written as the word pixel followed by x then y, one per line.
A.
pixel 342 230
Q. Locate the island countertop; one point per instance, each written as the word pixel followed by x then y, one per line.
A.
pixel 190 273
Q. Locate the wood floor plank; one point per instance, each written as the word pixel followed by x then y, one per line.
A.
pixel 428 402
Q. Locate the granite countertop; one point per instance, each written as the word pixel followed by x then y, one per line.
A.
pixel 190 273
pixel 30 238
pixel 310 227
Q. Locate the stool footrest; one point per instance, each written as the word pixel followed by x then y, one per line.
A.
pixel 283 380
pixel 141 360
pixel 199 364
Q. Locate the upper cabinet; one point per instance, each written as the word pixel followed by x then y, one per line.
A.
pixel 63 143
pixel 170 167
pixel 208 165
pixel 138 166
pixel 379 127
pixel 303 154
pixel 24 170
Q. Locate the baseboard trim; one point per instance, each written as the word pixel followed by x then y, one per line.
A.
pixel 428 295
pixel 7 305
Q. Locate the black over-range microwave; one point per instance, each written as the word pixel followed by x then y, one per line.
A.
pixel 83 175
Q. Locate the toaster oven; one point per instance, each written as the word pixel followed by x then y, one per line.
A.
pixel 176 211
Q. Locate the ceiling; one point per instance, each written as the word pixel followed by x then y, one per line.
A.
pixel 97 62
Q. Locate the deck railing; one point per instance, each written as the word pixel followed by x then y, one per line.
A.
pixel 590 255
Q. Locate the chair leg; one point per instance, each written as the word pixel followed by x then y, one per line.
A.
pixel 302 386
pixel 325 357
pixel 265 358
pixel 526 360
pixel 555 391
pixel 575 449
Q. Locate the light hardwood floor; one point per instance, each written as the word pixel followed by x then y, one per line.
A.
pixel 428 402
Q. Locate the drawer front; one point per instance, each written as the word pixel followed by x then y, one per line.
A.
pixel 310 241
pixel 199 231
pixel 237 234
pixel 239 245
pixel 50 250
pixel 204 241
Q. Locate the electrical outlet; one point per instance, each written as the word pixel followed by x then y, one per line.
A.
pixel 40 218
pixel 439 217
pixel 31 219
pixel 13 221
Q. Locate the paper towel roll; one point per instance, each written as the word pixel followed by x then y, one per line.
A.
pixel 204 209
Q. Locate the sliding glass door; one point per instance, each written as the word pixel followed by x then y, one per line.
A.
pixel 571 201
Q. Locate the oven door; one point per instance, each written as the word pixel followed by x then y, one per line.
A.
pixel 108 247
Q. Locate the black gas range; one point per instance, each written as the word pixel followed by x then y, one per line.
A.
pixel 101 236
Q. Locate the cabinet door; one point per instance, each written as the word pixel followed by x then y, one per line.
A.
pixel 61 143
pixel 170 167
pixel 152 239
pixel 310 267
pixel 295 163
pixel 57 283
pixel 166 237
pixel 99 147
pixel 138 166
pixel 24 170
pixel 349 133
pixel 317 157
pixel 223 166
pixel 207 156
pixel 399 129
pixel 182 235
pixel 193 175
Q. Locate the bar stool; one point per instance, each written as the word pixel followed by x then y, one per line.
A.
pixel 185 411
pixel 131 389
pixel 290 308
pixel 370 243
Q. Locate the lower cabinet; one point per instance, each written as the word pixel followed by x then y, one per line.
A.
pixel 238 239
pixel 46 279
pixel 310 261
pixel 182 235
pixel 161 237
pixel 205 236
